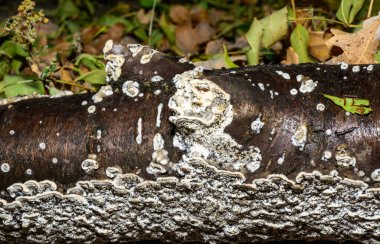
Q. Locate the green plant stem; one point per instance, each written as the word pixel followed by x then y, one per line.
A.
pixel 74 84
pixel 370 9
pixel 294 9
pixel 324 19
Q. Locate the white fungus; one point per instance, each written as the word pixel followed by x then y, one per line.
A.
pixel 321 107
pixel 139 131
pixel 343 65
pixel 156 78
pixel 135 49
pixel 28 171
pixel 104 91
pixel 5 167
pixel 262 87
pixel 329 132
pixel 84 103
pixel 284 75
pixel 293 92
pixel 370 67
pixel 308 86
pixel 91 109
pixel 12 132
pixel 299 137
pixel 355 68
pixel 281 159
pixel 131 88
pixel 90 164
pixel 157 92
pixel 326 155
pixel 108 46
pixel 257 125
pixel 54 160
pixel 375 175
pixel 98 134
pixel 42 146
pixel 158 118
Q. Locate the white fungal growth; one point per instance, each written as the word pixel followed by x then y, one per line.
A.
pixel 321 107
pixel 12 132
pixel 131 88
pixel 326 155
pixel 160 159
pixel 158 118
pixel 281 159
pixel 5 167
pixel 42 146
pixel 157 92
pixel 147 57
pixel 299 137
pixel 112 172
pixel 91 109
pixel 54 160
pixel 29 172
pixel 293 92
pixel 135 49
pixel 343 156
pixel 343 65
pixel 356 68
pixel 62 94
pixel 104 91
pixel 261 85
pixel 108 46
pixel 375 175
pixel 370 67
pixel 202 110
pixel 284 75
pixel 113 66
pixel 84 103
pixel 157 78
pixel 98 134
pixel 257 125
pixel 308 86
pixel 329 132
pixel 139 131
pixel 90 164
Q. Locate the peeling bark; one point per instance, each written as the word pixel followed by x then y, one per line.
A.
pixel 177 153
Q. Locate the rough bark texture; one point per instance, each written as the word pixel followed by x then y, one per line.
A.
pixel 182 154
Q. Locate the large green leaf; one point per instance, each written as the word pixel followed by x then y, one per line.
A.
pixel 89 61
pixel 275 27
pixel 228 60
pixel 348 10
pixel 254 36
pixel 67 10
pixel 18 85
pixel 97 77
pixel 13 49
pixel 167 28
pixel 299 40
pixel 110 20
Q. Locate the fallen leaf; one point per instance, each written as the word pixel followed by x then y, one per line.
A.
pixel 348 9
pixel 291 57
pixel 317 46
pixel 218 61
pixel 299 40
pixel 186 39
pixel 254 37
pixel 204 32
pixel 275 27
pixel 214 47
pixel 179 14
pixel 144 18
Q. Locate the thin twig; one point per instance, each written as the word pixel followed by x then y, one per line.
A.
pixel 152 18
pixel 294 9
pixel 370 9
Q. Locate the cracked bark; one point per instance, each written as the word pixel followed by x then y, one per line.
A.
pixel 71 134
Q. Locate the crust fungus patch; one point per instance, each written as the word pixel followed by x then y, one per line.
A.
pixel 299 137
pixel 104 91
pixel 202 110
pixel 131 88
pixel 90 164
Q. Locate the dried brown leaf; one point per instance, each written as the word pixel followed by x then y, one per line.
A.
pixel 291 57
pixel 214 47
pixel 186 39
pixel 317 46
pixel 204 32
pixel 359 47
pixel 179 14
pixel 144 18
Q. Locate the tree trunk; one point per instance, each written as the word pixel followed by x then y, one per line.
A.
pixel 175 153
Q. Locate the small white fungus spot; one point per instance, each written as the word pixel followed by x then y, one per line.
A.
pixel 281 159
pixel 98 134
pixel 91 109
pixel 5 167
pixel 12 132
pixel 257 125
pixel 84 103
pixel 54 160
pixel 375 175
pixel 158 118
pixel 329 132
pixel 131 88
pixel 299 137
pixel 370 67
pixel 156 78
pixel 108 46
pixel 139 131
pixel 262 87
pixel 326 155
pixel 157 92
pixel 42 146
pixel 343 65
pixel 29 172
pixel 355 68
pixel 293 92
pixel 321 107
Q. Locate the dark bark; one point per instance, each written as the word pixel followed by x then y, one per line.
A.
pixel 295 202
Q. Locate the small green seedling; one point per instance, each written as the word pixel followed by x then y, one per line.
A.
pixel 352 105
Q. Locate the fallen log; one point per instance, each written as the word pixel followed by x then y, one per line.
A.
pixel 172 152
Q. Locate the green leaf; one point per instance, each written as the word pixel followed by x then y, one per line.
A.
pixel 15 66
pixel 67 10
pixel 352 105
pixel 18 85
pixel 254 36
pixel 377 57
pixel 348 10
pixel 97 77
pixel 4 68
pixel 110 20
pixel 1 87
pixel 13 49
pixel 155 38
pixel 89 61
pixel 89 6
pixel 299 40
pixel 148 3
pixel 275 27
pixel 167 28
pixel 228 60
